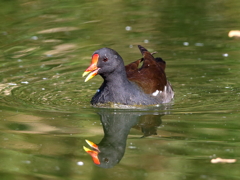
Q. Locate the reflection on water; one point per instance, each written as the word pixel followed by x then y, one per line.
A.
pixel 116 126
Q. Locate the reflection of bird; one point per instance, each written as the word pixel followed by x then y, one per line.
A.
pixel 116 126
pixel 129 84
pixel 148 124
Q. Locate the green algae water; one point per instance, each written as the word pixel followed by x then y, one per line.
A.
pixel 45 111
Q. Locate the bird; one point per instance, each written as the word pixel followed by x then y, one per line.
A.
pixel 142 82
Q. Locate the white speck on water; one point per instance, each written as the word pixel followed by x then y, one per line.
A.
pixel 132 147
pixel 128 28
pixel 12 84
pixel 27 162
pixel 25 82
pixel 146 41
pixel 225 55
pixel 186 43
pixel 80 163
pixel 34 38
pixel 203 176
pixel 199 44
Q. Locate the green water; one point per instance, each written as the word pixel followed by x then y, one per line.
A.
pixel 45 114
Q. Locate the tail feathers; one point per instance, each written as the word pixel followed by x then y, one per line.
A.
pixel 142 49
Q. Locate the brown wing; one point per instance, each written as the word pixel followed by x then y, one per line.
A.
pixel 151 75
pixel 132 67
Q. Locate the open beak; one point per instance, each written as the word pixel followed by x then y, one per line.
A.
pixel 94 152
pixel 92 69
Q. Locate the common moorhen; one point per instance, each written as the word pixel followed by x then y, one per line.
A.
pixel 130 84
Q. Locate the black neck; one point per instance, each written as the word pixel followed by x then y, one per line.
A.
pixel 118 75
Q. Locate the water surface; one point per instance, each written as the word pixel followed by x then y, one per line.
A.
pixel 45 112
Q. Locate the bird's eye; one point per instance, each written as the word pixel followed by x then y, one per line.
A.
pixel 105 59
pixel 106 160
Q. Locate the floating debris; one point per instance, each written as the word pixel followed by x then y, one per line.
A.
pixel 220 160
pixel 234 33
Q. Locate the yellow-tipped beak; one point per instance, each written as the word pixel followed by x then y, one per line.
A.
pixel 85 73
pixel 93 153
pixel 86 149
pixel 93 145
pixel 91 75
pixel 92 69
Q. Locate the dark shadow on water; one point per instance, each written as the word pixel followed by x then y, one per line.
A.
pixel 116 125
